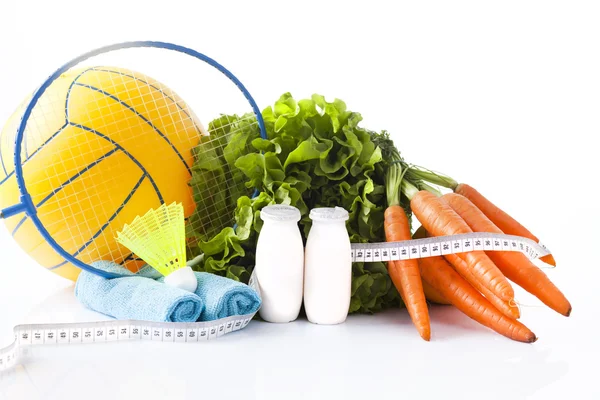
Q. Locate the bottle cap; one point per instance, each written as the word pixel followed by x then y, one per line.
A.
pixel 280 212
pixel 329 214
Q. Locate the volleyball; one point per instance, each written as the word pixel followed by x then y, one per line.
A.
pixel 95 136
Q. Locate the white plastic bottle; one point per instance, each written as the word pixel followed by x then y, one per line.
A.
pixel 280 263
pixel 327 267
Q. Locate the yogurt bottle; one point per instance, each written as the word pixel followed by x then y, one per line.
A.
pixel 327 267
pixel 280 263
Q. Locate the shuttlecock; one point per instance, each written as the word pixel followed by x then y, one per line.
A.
pixel 158 238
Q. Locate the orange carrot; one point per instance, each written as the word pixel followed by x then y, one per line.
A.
pixel 516 266
pixel 430 293
pixel 433 295
pixel 505 307
pixel 502 220
pixel 439 219
pixel 421 233
pixel 405 273
pixel 508 308
pixel 438 273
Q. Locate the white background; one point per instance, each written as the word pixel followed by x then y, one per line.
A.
pixel 502 95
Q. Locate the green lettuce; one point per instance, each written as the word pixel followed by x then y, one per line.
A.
pixel 214 163
pixel 315 155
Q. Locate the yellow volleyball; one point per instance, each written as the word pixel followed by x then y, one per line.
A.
pixel 102 146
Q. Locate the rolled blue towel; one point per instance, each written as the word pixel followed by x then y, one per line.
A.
pixel 222 297
pixel 136 296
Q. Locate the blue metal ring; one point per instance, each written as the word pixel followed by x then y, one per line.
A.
pixel 28 206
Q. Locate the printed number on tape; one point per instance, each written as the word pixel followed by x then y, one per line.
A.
pixel 119 330
pixel 442 245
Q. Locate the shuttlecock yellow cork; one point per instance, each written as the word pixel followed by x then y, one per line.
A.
pixel 158 238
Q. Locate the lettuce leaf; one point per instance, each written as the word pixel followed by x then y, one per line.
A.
pixel 214 162
pixel 315 155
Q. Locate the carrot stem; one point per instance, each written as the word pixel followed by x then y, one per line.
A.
pixel 432 177
pixel 393 179
pixel 409 189
pixel 424 186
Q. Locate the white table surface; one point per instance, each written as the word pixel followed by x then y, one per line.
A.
pixel 367 356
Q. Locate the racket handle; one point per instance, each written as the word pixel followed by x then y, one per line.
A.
pixel 13 210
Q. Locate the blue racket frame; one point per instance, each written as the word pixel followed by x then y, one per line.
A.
pixel 26 204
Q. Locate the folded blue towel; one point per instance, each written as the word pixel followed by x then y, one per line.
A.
pixel 222 297
pixel 144 296
pixel 225 297
pixel 136 297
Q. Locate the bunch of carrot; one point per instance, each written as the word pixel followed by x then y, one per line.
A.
pixel 476 282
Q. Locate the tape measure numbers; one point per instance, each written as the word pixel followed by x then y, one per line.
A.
pixel 442 245
pixel 121 330
pixel 118 330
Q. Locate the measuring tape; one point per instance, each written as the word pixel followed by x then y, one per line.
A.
pixel 119 330
pixel 122 330
pixel 442 245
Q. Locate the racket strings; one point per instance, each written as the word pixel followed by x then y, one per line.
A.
pixel 79 193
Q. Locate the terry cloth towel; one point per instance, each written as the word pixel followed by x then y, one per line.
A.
pixel 222 297
pixel 136 297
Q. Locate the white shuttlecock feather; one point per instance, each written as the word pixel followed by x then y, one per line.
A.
pixel 158 238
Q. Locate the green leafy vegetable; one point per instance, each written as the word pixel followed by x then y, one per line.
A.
pixel 214 163
pixel 315 155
